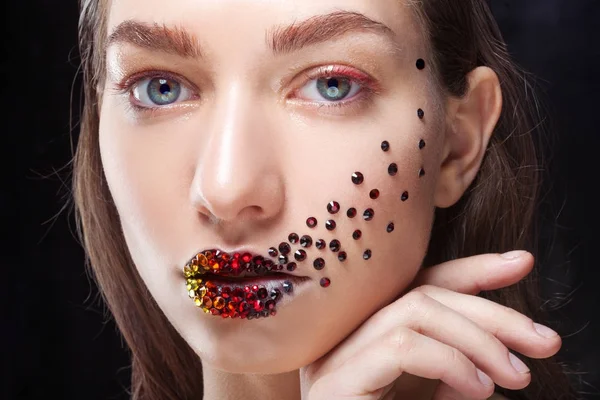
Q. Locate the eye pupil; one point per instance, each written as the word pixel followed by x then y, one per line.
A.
pixel 164 88
pixel 333 88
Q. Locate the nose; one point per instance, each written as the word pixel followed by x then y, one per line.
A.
pixel 238 175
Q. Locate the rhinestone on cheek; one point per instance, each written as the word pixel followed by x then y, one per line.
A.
pixel 287 286
pixel 291 266
pixel 421 172
pixel 390 228
pixel 311 222
pixel 306 241
pixel 393 169
pixel 300 255
pixel 357 234
pixel 334 245
pixel 368 214
pixel 420 63
pixel 283 259
pixel 357 178
pixel 385 145
pixel 342 256
pixel 319 264
pixel 351 213
pixel 330 225
pixel 325 282
pixel 333 207
pixel 404 196
pixel 374 194
pixel 284 248
pixel 367 254
pixel 320 244
pixel 273 252
pixel 421 144
pixel 420 113
pixel 293 238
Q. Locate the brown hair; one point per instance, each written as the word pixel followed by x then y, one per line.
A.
pixel 495 215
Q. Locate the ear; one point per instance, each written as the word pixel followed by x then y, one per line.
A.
pixel 470 121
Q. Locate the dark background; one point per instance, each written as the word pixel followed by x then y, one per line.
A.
pixel 56 341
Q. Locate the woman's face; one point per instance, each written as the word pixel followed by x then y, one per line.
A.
pixel 227 124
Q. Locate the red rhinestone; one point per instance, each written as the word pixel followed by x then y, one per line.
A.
pixel 273 252
pixel 270 305
pixel 374 194
pixel 351 213
pixel 393 169
pixel 311 222
pixel 225 292
pixel 237 292
pixel 247 257
pixel 293 238
pixel 421 144
pixel 224 315
pixel 320 244
pixel 404 196
pixel 300 255
pixel 319 264
pixel 255 288
pixel 258 306
pixel 368 214
pixel 273 313
pixel 367 254
pixel 385 145
pixel 306 241
pixel 235 265
pixel 342 256
pixel 334 245
pixel 333 207
pixel 284 248
pixel 357 178
pixel 325 282
pixel 214 311
pixel 262 293
pixel 250 297
pixel 390 227
pixel 291 266
pixel 330 225
pixel 357 234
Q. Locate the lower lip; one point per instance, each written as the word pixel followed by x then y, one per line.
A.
pixel 245 298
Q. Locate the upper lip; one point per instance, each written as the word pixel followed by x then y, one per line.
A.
pixel 239 263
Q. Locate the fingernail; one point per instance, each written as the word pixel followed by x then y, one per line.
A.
pixel 513 255
pixel 518 364
pixel 544 331
pixel 483 378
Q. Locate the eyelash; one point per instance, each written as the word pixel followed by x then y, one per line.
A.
pixel 368 88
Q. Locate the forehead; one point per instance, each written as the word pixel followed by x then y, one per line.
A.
pixel 235 24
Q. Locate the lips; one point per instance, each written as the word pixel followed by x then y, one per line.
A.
pixel 236 285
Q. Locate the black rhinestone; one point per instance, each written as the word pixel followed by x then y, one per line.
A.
pixel 404 196
pixel 320 244
pixel 334 245
pixel 342 256
pixel 300 255
pixel 420 113
pixel 374 194
pixel 306 241
pixel 275 294
pixel 330 225
pixel 268 264
pixel 333 207
pixel 287 286
pixel 385 145
pixel 421 144
pixel 319 264
pixel 357 178
pixel 368 214
pixel 367 254
pixel 351 213
pixel 273 252
pixel 283 259
pixel 291 266
pixel 262 293
pixel 284 248
pixel 311 222
pixel 420 63
pixel 357 234
pixel 390 227
pixel 393 169
pixel 293 238
pixel 421 172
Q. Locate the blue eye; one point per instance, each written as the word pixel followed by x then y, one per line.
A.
pixel 334 89
pixel 159 91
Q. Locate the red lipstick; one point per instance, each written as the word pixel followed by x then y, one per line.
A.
pixel 237 285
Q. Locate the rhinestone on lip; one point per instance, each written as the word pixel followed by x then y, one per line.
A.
pixel 333 207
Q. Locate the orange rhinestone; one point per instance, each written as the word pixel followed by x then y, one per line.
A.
pixel 202 259
pixel 219 303
pixel 207 302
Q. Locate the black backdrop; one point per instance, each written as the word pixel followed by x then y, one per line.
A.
pixel 55 338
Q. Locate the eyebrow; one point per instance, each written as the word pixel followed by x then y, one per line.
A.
pixel 281 39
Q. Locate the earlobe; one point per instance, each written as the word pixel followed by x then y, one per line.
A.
pixel 470 122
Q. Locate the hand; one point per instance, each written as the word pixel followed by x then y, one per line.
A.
pixel 438 330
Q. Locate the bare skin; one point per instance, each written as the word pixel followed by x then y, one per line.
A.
pixel 244 147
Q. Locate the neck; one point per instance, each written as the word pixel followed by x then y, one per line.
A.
pixel 220 385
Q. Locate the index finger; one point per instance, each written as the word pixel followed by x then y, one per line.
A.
pixel 471 275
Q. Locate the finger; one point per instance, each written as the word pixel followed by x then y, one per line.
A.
pixel 434 319
pixel 515 330
pixel 445 392
pixel 472 275
pixel 403 350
